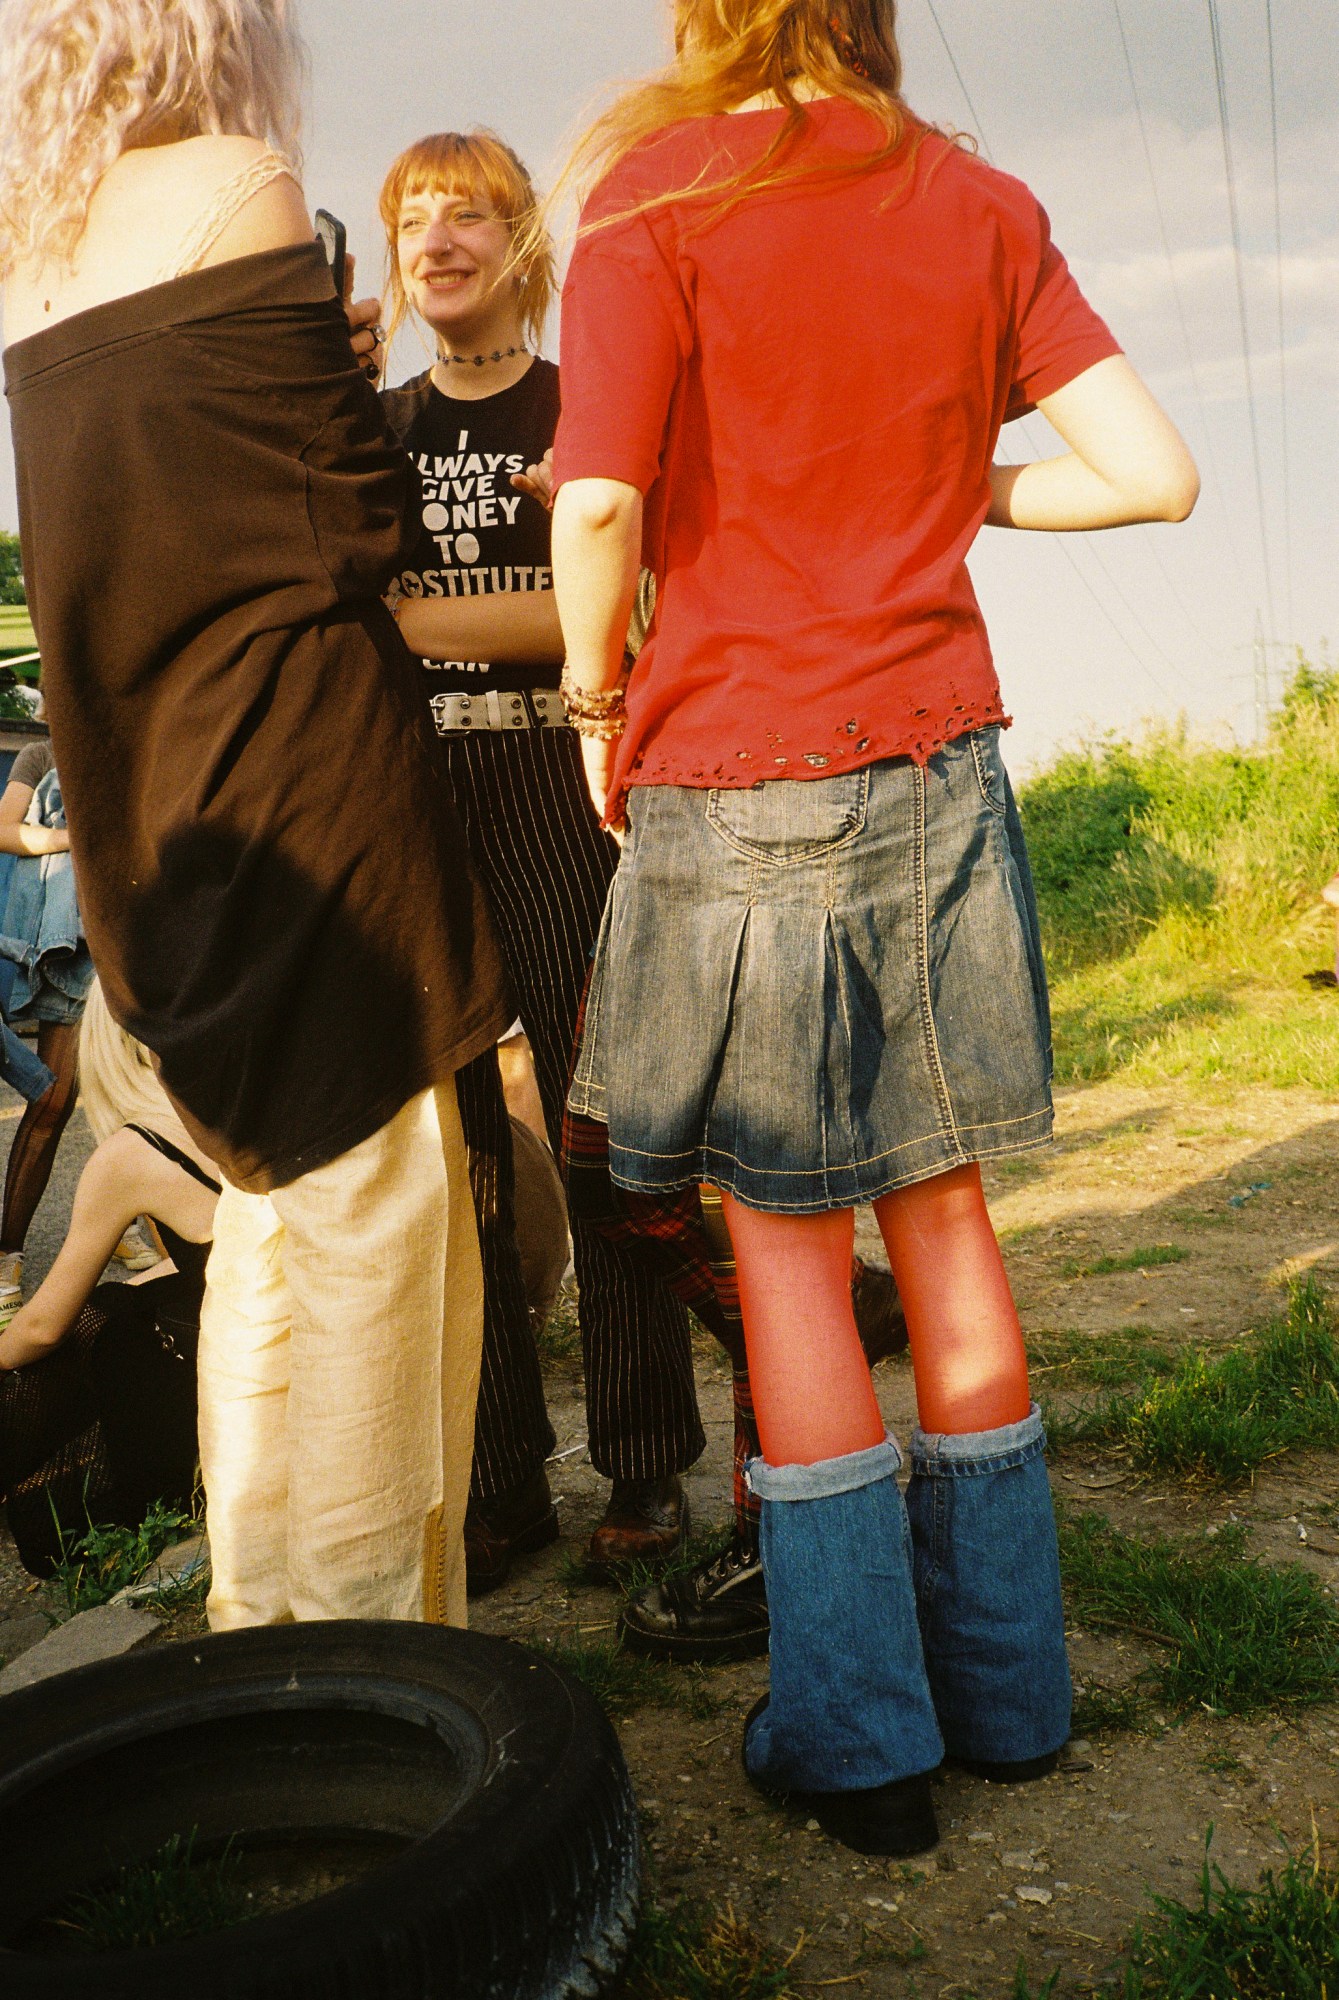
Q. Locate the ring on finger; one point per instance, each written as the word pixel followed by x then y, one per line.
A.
pixel 379 335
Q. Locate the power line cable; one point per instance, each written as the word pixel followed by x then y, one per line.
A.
pixel 1197 631
pixel 1229 168
pixel 1156 644
pixel 1061 541
pixel 962 83
pixel 1219 484
pixel 1283 358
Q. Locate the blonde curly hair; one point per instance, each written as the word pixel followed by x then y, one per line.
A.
pixel 81 81
pixel 118 1084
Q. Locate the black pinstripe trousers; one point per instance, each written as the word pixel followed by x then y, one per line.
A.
pixel 546 865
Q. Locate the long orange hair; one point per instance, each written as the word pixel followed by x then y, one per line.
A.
pixel 728 51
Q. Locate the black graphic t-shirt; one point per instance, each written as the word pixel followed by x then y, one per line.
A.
pixel 480 536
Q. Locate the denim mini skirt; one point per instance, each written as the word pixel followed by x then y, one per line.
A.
pixel 818 990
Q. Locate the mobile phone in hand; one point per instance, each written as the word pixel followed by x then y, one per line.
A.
pixel 334 240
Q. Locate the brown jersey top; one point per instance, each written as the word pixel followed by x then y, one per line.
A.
pixel 274 884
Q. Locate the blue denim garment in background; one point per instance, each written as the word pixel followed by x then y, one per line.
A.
pixel 21 1069
pixel 987 1572
pixel 850 1705
pixel 818 990
pixel 42 931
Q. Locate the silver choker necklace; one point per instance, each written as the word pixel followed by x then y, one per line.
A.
pixel 478 360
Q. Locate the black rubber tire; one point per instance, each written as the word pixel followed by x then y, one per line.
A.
pixel 520 1877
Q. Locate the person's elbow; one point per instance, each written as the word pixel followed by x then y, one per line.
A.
pixel 597 506
pixel 1175 488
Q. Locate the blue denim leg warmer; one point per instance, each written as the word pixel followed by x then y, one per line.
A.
pixel 987 1572
pixel 850 1706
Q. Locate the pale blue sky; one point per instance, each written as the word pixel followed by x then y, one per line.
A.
pixel 1052 95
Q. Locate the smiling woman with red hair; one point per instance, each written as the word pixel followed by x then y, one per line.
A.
pixel 468 257
pixel 795 321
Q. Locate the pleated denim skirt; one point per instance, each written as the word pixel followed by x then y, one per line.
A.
pixel 818 990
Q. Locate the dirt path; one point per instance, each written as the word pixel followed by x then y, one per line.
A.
pixel 1053 1873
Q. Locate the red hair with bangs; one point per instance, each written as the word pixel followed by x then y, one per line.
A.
pixel 476 164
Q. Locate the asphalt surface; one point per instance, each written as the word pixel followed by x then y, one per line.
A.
pixel 47 1232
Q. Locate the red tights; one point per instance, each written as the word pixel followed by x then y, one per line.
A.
pixel 811 1385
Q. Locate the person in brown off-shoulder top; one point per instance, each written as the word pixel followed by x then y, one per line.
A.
pixel 276 895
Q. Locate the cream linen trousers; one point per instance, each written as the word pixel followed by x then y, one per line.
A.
pixel 339 1368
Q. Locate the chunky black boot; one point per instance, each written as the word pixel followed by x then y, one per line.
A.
pixel 715 1611
pixel 895 1819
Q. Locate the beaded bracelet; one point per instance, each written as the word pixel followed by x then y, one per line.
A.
pixel 607 730
pixel 602 714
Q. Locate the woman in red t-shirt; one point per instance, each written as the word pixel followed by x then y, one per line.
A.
pixel 795 321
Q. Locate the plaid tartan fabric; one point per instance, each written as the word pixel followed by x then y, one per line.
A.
pixel 673 1222
pixel 694 1258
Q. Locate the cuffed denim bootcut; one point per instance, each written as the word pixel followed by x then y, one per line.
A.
pixel 850 1705
pixel 987 1573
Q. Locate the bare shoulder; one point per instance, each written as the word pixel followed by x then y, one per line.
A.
pixel 183 181
pixel 142 214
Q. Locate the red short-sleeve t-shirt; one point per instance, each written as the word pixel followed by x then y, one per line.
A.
pixel 808 389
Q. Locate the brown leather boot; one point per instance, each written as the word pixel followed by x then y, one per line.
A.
pixel 512 1525
pixel 646 1521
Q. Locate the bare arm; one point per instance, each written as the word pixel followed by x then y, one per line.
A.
pixel 125 1177
pixel 510 626
pixel 1126 460
pixel 16 836
pixel 597 540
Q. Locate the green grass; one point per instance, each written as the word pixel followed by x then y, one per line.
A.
pixel 1104 1711
pixel 622 1682
pixel 559 1339
pixel 1280 1938
pixel 1130 1260
pixel 689 1953
pixel 105 1559
pixel 1108 1360
pixel 575 1572
pixel 1233 1635
pixel 1277 1939
pixel 1220 1417
pixel 1178 885
pixel 171 1896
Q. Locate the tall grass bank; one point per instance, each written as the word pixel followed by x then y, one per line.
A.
pixel 1178 885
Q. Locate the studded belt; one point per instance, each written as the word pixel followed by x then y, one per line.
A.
pixel 519 708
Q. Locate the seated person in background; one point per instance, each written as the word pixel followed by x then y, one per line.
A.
pixel 97 1393
pixel 56 1012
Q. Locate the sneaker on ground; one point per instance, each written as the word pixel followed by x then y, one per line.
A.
pixel 715 1611
pixel 135 1252
pixel 11 1284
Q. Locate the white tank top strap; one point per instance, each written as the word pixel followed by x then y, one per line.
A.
pixel 227 202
